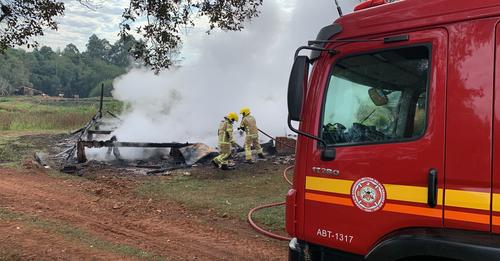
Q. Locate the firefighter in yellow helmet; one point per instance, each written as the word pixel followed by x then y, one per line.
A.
pixel 225 133
pixel 249 126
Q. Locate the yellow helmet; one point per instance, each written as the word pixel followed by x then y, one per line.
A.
pixel 232 116
pixel 245 111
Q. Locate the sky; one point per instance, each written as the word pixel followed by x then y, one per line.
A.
pixel 79 22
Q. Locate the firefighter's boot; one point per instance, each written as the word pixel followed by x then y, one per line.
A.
pixel 215 163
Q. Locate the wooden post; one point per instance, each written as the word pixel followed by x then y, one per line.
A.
pixel 80 152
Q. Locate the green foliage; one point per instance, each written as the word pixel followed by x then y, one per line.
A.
pixel 68 72
pixel 108 87
pixel 13 68
pixel 5 87
pixel 20 21
pixel 97 48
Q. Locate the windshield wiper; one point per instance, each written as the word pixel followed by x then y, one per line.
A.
pixel 369 115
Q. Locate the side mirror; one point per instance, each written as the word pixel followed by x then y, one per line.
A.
pixel 378 96
pixel 296 86
pixel 296 89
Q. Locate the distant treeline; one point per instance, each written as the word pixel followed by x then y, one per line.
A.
pixel 67 72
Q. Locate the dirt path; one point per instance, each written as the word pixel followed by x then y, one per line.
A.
pixel 24 242
pixel 119 223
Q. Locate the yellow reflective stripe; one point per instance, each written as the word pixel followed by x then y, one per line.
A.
pixel 467 199
pixel 416 194
pixel 496 203
pixel 410 193
pixel 329 185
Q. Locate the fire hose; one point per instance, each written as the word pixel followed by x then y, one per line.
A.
pixel 261 230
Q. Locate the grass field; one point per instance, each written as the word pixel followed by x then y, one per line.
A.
pixel 27 124
pixel 38 113
pixel 231 193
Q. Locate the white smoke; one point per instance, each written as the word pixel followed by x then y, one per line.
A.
pixel 224 72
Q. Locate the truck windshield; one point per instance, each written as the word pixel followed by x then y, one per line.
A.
pixel 377 97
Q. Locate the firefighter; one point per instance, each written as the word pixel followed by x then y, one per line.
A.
pixel 225 133
pixel 249 126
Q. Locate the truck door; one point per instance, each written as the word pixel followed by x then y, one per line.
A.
pixel 469 125
pixel 495 220
pixel 383 109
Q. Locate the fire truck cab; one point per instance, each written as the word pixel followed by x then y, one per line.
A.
pixel 399 152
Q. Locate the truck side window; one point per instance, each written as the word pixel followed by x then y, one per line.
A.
pixel 377 97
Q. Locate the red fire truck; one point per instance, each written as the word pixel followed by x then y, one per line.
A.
pixel 398 156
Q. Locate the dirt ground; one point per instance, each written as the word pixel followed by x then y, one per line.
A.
pixel 103 219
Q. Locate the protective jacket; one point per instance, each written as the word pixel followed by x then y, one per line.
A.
pixel 225 132
pixel 249 124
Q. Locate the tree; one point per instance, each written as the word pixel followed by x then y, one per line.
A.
pixel 97 48
pixel 12 68
pixel 120 51
pixel 71 50
pixel 108 87
pixel 20 20
pixel 69 72
pixel 5 87
pixel 47 52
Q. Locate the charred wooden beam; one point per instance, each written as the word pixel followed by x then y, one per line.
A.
pixel 80 152
pixel 99 131
pixel 108 143
pixel 82 144
pixel 149 145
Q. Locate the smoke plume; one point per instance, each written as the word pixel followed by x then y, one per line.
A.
pixel 223 72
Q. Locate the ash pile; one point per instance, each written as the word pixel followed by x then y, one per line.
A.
pixel 75 154
pixel 96 139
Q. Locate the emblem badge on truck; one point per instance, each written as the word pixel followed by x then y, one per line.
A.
pixel 368 194
pixel 326 171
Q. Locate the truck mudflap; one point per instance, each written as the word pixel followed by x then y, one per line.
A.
pixel 294 251
pixel 301 251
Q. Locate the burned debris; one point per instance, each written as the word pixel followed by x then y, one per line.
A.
pixel 97 137
pixel 113 146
